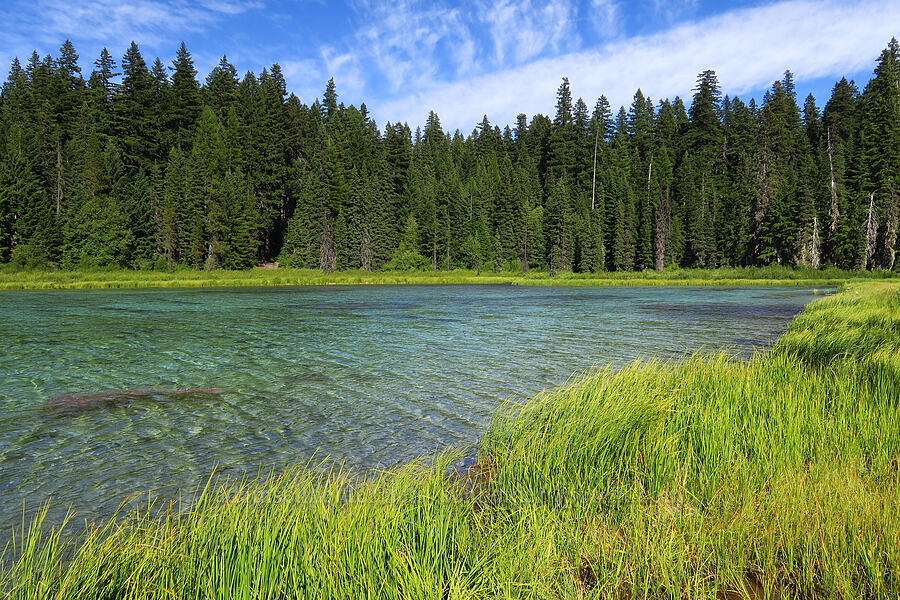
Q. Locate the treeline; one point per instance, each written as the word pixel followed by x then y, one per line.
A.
pixel 143 167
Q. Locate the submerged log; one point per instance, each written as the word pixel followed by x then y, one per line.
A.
pixel 85 400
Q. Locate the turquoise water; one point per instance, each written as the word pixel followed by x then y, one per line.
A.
pixel 373 376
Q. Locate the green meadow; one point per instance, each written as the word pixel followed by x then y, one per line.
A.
pixel 11 278
pixel 714 478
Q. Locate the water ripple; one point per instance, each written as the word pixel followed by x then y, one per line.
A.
pixel 372 376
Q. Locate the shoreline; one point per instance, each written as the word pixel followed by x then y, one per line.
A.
pixel 260 277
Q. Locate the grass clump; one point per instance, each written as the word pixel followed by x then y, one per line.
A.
pixel 860 325
pixel 775 477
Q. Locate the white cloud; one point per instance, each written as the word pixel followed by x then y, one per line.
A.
pixel 346 70
pixel 525 29
pixel 400 40
pixel 25 24
pixel 606 17
pixel 234 7
pixel 672 10
pixel 308 73
pixel 407 57
pixel 748 48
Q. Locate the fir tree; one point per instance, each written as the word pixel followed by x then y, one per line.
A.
pixel 186 99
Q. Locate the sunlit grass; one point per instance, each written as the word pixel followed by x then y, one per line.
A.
pixel 774 275
pixel 775 477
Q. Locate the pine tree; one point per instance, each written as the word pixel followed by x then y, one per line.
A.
pixel 774 236
pixel 881 101
pixel 563 147
pixel 809 189
pixel 35 239
pixel 557 227
pixel 741 157
pixel 152 170
pixel 132 112
pixel 186 99
pixel 221 91
pixel 842 229
pixel 702 170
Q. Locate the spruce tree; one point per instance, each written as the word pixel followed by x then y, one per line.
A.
pixel 186 99
pixel 881 101
pixel 842 230
pixel 135 172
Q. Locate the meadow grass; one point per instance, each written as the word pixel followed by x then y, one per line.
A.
pixel 103 279
pixel 775 477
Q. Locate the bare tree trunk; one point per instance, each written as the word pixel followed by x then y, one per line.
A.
pixel 211 245
pixel 871 229
pixel 434 251
pixel 365 251
pixel 594 176
pixel 59 178
pixel 833 211
pixel 814 245
pixel 889 240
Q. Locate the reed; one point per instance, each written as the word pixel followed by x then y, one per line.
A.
pixel 775 477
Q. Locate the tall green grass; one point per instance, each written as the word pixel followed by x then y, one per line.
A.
pixel 711 478
pixel 860 325
pixel 103 279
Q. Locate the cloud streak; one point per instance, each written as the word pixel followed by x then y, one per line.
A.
pixel 524 29
pixel 748 48
pixel 26 24
pixel 468 57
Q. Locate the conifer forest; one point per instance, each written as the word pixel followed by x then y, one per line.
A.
pixel 140 165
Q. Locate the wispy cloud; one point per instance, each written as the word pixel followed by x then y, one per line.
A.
pixel 606 18
pixel 749 48
pixel 27 24
pixel 230 7
pixel 672 10
pixel 524 29
pixel 409 44
pixel 463 58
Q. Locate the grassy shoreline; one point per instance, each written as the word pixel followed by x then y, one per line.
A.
pixel 118 279
pixel 777 477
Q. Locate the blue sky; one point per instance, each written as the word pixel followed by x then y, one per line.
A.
pixel 463 59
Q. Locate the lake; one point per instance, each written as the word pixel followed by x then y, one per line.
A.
pixel 109 393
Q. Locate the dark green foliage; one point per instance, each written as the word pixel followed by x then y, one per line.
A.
pixel 186 99
pixel 142 166
pixel 840 138
pixel 881 154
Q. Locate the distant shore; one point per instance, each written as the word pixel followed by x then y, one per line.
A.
pixel 263 277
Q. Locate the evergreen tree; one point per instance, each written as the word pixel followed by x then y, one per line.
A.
pixel 186 99
pixel 133 113
pixel 701 171
pixel 881 101
pixel 149 169
pixel 842 228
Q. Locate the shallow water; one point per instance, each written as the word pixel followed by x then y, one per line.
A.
pixel 93 404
